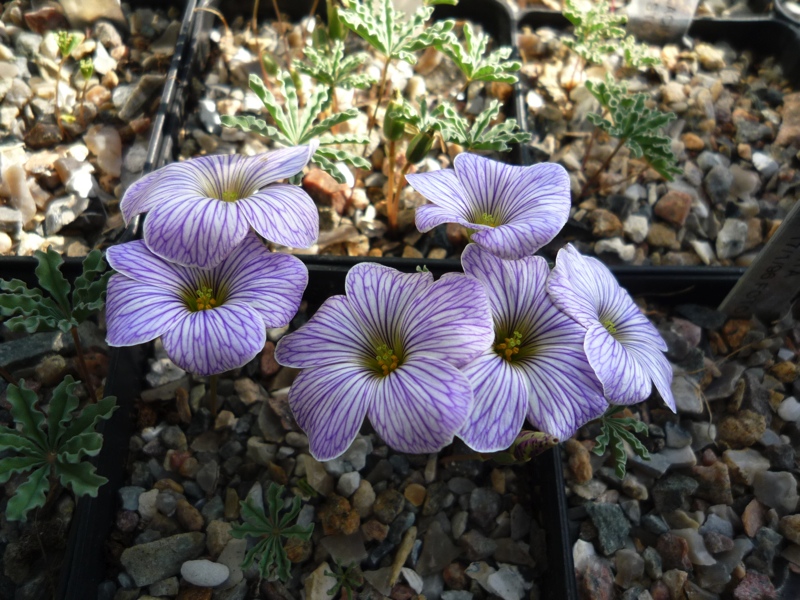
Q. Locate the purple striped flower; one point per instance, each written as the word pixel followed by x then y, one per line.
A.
pixel 623 347
pixel 201 209
pixel 534 366
pixel 510 211
pixel 391 349
pixel 210 320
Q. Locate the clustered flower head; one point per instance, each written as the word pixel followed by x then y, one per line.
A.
pixel 471 355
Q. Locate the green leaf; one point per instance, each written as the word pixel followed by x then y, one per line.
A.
pixel 636 124
pixel 335 155
pixel 390 31
pixel 74 449
pixel 88 418
pixel 473 60
pixel 89 291
pixel 18 464
pixel 11 439
pixel 480 135
pixel 327 124
pixel 80 478
pixel 60 409
pixel 29 495
pixel 23 402
pixel 330 67
pixel 51 278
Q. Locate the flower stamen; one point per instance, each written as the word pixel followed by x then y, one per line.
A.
pixel 386 358
pixel 230 196
pixel 487 219
pixel 510 346
pixel 204 298
pixel 609 325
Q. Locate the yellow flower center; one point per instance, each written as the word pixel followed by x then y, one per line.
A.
pixel 487 219
pixel 510 346
pixel 204 298
pixel 609 326
pixel 386 358
pixel 230 196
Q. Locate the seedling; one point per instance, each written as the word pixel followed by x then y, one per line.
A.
pixel 634 125
pixel 51 447
pixel 392 34
pixel 271 529
pixel 614 432
pixel 31 311
pixel 295 126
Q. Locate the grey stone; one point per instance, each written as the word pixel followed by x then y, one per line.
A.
pixel 438 551
pixel 154 561
pixel 687 394
pixel 611 524
pixel 765 164
pixel 348 484
pixel 731 239
pixel 146 87
pixel 776 490
pixel 630 568
pixel 165 587
pixel 345 549
pixel 129 496
pixel 673 492
pixel 724 385
pixel 677 436
pixel 717 183
pixel 477 545
pixel 484 506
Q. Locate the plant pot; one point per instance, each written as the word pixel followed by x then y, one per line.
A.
pixel 83 561
pixel 762 38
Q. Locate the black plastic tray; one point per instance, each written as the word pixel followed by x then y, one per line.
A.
pixel 84 560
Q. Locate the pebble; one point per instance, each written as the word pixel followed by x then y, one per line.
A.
pixel 348 484
pixel 204 573
pixel 629 567
pixel 776 490
pixel 611 524
pixel 484 506
pixel 731 239
pixel 151 562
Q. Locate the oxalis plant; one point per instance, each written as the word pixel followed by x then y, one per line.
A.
pixel 597 34
pixel 472 355
pixel 295 126
pixel 270 528
pixel 50 447
pixel 30 310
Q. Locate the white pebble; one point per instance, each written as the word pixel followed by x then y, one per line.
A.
pixel 204 573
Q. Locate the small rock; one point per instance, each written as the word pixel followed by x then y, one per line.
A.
pixel 731 239
pixel 154 561
pixel 776 490
pixel 105 143
pixel 630 568
pixel 611 524
pixel 204 573
pixel 674 207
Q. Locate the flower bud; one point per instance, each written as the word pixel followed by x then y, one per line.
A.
pixel 336 30
pixel 270 66
pixel 419 147
pixel 393 123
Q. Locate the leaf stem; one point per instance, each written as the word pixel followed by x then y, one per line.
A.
pixel 212 396
pixel 56 109
pixel 85 375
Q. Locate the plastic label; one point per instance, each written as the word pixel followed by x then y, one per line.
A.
pixel 772 283
pixel 660 21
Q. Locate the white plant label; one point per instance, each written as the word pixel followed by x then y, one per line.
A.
pixel 660 21
pixel 772 283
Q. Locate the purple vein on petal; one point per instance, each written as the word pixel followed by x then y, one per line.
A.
pixel 208 342
pixel 329 403
pixel 420 406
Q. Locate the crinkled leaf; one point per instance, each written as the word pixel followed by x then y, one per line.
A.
pixel 636 124
pixel 11 439
pixel 18 464
pixel 390 31
pixel 74 449
pixel 480 135
pixel 80 478
pixel 274 492
pixel 51 278
pixel 290 515
pixel 330 66
pixel 88 294
pixel 23 409
pixel 88 418
pixel 282 565
pixel 332 154
pixel 327 124
pixel 318 160
pixel 31 494
pixel 273 108
pixel 60 409
pixel 473 61
pixel 342 138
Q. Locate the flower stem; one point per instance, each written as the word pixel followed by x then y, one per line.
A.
pixel 212 396
pixel 87 383
pixel 381 90
pixel 391 209
pixel 56 109
pixel 603 167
